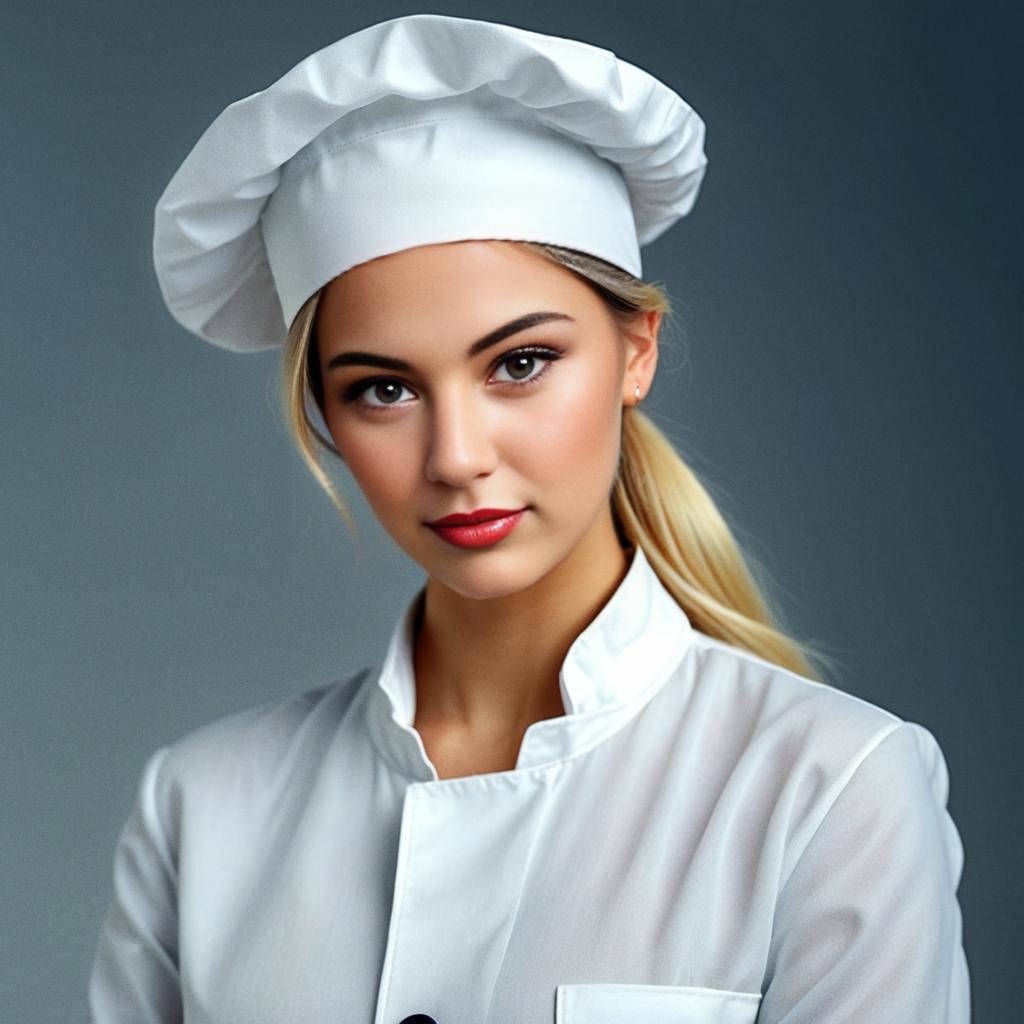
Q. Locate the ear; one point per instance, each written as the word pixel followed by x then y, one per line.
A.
pixel 641 340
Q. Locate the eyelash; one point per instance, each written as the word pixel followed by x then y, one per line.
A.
pixel 549 355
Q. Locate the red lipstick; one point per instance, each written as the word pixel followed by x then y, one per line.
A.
pixel 477 529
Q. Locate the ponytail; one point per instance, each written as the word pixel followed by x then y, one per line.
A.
pixel 659 505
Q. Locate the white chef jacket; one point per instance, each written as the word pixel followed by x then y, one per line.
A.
pixel 703 838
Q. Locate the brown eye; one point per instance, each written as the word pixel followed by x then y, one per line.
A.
pixel 376 393
pixel 521 364
pixel 387 391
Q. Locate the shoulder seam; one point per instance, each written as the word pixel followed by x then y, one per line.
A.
pixel 710 642
pixel 257 714
pixel 150 807
pixel 841 785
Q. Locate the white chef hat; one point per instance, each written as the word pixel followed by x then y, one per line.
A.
pixel 421 129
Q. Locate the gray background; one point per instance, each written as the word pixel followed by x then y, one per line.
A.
pixel 846 378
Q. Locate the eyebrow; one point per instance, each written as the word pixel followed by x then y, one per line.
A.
pixel 499 334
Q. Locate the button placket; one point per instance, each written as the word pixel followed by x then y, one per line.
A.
pixel 443 867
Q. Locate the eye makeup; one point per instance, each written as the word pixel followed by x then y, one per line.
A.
pixel 353 393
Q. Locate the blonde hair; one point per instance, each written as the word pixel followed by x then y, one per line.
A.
pixel 658 502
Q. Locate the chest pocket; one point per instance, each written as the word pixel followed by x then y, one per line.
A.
pixel 653 1004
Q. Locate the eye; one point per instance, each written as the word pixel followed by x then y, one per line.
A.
pixel 521 364
pixel 524 360
pixel 386 388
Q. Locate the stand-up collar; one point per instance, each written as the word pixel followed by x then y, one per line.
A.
pixel 613 667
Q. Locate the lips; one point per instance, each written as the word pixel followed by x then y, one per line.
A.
pixel 481 533
pixel 480 515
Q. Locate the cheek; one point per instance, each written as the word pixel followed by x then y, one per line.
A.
pixel 574 434
pixel 381 462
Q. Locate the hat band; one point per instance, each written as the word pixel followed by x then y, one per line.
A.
pixel 442 180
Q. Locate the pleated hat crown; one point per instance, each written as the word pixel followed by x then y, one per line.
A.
pixel 417 130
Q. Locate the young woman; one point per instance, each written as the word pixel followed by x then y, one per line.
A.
pixel 591 781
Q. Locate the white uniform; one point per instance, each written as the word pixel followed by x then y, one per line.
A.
pixel 702 837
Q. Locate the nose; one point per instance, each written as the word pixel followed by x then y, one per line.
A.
pixel 460 444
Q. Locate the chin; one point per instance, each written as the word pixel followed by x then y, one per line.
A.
pixel 483 576
pixel 500 573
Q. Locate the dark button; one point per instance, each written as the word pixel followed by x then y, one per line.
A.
pixel 418 1018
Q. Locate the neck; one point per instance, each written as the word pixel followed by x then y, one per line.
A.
pixel 489 668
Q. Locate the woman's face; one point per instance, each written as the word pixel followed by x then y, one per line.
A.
pixel 532 421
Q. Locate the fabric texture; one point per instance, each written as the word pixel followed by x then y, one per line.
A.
pixel 418 130
pixel 702 837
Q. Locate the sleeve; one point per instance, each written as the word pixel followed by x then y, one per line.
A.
pixel 867 927
pixel 135 967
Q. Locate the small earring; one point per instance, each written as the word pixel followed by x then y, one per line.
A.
pixel 636 390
